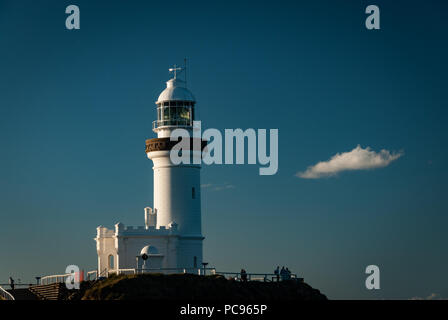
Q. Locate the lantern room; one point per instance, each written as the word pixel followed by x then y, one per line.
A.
pixel 175 105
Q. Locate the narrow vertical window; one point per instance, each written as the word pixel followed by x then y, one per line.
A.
pixel 195 262
pixel 193 194
pixel 111 261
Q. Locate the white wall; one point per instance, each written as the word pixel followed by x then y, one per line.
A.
pixel 173 199
pixel 105 246
pixel 174 251
pixel 130 247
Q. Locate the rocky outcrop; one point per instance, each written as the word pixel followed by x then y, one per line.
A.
pixel 194 287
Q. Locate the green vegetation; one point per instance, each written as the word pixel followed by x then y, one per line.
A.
pixel 194 287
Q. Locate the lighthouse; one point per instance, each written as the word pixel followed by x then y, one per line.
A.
pixel 171 238
pixel 177 196
pixel 177 188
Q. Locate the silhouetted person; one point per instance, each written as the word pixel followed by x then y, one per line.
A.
pixel 11 283
pixel 277 273
pixel 243 275
pixel 283 273
pixel 288 274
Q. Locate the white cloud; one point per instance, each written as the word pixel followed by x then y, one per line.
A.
pixel 357 159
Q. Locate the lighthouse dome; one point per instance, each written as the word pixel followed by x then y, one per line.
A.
pixel 175 91
pixel 148 250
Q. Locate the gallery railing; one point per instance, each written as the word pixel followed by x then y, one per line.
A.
pixel 167 123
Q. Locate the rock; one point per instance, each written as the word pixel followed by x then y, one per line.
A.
pixel 194 287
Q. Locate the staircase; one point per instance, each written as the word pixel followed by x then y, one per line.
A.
pixel 54 291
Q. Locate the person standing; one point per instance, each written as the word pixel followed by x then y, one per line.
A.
pixel 283 273
pixel 277 273
pixel 243 275
pixel 11 283
pixel 288 274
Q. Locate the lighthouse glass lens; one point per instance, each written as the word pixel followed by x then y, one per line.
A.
pixel 185 113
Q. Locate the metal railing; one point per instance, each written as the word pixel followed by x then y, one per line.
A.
pixel 57 278
pixel 168 123
pixel 6 295
pixel 93 275
pixel 266 277
pixel 199 271
pixel 90 273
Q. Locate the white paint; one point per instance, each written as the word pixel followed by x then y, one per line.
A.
pixel 175 90
pixel 173 190
pixel 150 217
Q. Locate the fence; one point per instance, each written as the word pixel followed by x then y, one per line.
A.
pixel 57 278
pixel 93 275
pixel 198 271
pixel 61 278
pixel 266 277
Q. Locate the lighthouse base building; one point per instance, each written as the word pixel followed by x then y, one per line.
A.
pixel 171 239
pixel 165 248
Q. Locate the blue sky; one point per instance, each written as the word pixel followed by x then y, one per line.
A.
pixel 77 106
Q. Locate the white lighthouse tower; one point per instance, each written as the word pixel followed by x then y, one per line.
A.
pixel 177 188
pixel 172 236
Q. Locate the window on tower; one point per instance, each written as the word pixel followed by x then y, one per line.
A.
pixel 193 193
pixel 111 261
pixel 185 113
pixel 166 113
pixel 175 113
